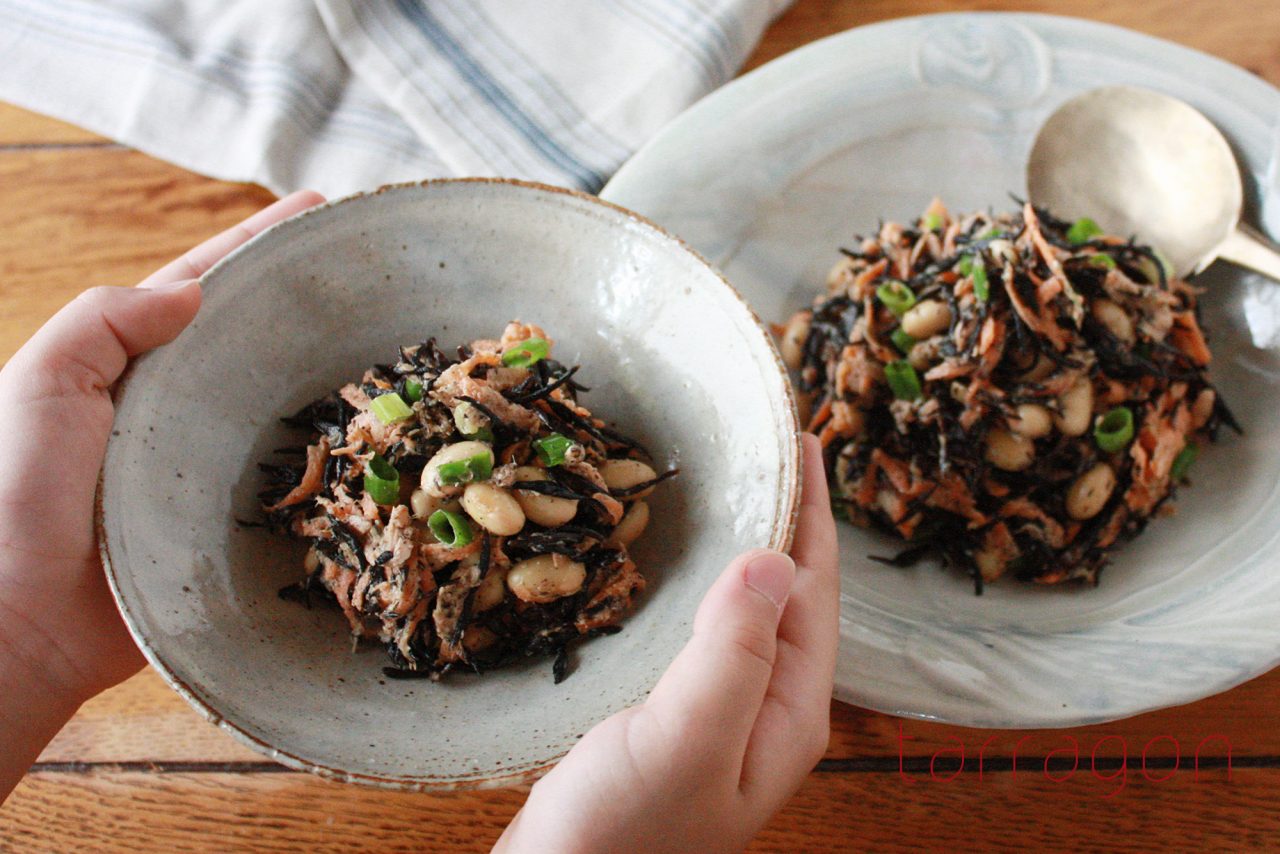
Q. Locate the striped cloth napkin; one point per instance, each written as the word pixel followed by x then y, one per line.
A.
pixel 345 95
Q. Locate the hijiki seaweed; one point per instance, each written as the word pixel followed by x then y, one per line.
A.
pixel 465 511
pixel 1013 393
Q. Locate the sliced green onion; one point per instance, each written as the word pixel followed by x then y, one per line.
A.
pixel 991 234
pixel 974 267
pixel 902 340
pixel 382 481
pixel 932 221
pixel 526 353
pixel 551 450
pixel 1183 461
pixel 466 470
pixel 413 390
pixel 451 529
pixel 469 419
pixel 903 380
pixel 896 296
pixel 390 408
pixel 981 288
pixel 1101 260
pixel 1114 430
pixel 1082 231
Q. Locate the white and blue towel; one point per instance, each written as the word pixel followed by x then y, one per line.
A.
pixel 346 95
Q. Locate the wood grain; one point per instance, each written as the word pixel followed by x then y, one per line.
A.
pixel 1232 29
pixel 75 218
pixel 144 721
pixel 19 127
pixel 138 770
pixel 137 811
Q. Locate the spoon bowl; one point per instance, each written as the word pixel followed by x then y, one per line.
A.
pixel 1146 164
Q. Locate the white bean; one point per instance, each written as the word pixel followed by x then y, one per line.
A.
pixel 1089 494
pixel 546 578
pixel 1202 409
pixel 492 590
pixel 1002 250
pixel 424 504
pixel 546 510
pixel 476 638
pixel 493 509
pixel 924 353
pixel 449 454
pixel 926 319
pixel 1009 451
pixel 1115 318
pixel 841 273
pixel 1032 420
pixel 1041 369
pixel 468 419
pixel 990 564
pixel 624 474
pixel 794 338
pixel 632 525
pixel 1076 412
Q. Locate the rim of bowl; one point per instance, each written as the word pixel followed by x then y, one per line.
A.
pixel 787 507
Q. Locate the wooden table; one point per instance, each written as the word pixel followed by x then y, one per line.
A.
pixel 138 770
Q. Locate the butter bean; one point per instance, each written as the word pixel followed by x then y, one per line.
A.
pixel 430 482
pixel 632 525
pixel 493 509
pixel 624 474
pixel 1088 495
pixel 794 337
pixel 1076 411
pixel 1032 420
pixel 492 590
pixel 926 319
pixel 1009 451
pixel 546 510
pixel 1202 409
pixel 546 578
pixel 1114 318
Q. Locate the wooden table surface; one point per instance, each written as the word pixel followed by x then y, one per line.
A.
pixel 138 770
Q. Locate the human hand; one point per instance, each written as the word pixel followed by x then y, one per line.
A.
pixel 733 727
pixel 61 637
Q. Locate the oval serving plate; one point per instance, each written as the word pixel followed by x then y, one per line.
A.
pixel 671 353
pixel 768 176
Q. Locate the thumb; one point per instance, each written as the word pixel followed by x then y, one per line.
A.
pixel 717 683
pixel 85 346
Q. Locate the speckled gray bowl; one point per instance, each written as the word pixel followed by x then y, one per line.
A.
pixel 672 355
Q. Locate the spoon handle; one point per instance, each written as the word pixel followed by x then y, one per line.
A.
pixel 1250 248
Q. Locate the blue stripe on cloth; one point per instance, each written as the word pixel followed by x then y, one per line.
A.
pixel 421 17
pixel 702 29
pixel 517 64
pixel 504 147
pixel 732 47
pixel 711 77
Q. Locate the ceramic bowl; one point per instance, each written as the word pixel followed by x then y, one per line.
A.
pixel 769 174
pixel 671 353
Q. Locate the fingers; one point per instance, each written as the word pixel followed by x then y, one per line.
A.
pixel 708 699
pixel 85 346
pixel 815 542
pixel 791 732
pixel 197 262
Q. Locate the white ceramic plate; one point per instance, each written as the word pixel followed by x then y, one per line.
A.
pixel 769 175
pixel 671 354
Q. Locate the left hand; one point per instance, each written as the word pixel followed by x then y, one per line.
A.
pixel 61 637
